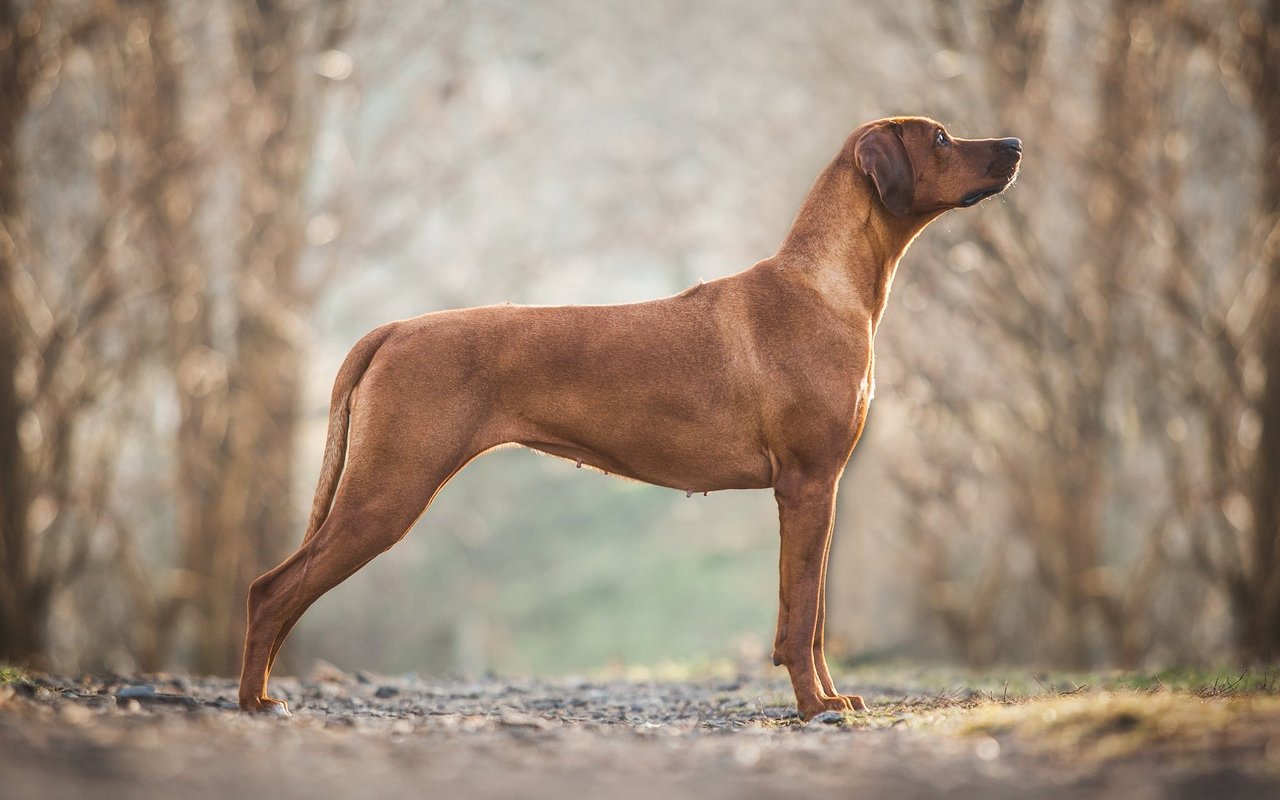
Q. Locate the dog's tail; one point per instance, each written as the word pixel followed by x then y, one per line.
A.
pixel 335 446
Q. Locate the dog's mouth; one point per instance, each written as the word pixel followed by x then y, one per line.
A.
pixel 973 198
pixel 977 197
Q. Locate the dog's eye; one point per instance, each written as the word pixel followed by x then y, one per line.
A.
pixel 940 139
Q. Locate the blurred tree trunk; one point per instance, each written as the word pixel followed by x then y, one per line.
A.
pixel 19 629
pixel 1118 194
pixel 1073 324
pixel 272 154
pixel 1060 509
pixel 1246 568
pixel 237 393
pixel 57 357
pixel 274 108
pixel 1261 638
pixel 153 79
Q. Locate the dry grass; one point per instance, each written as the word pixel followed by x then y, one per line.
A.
pixel 1105 725
pixel 12 675
pixel 1096 717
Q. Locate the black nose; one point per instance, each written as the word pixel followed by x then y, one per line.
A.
pixel 1012 144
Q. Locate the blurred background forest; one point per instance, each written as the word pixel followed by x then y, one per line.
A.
pixel 1073 459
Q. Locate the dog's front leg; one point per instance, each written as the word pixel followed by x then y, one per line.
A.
pixel 806 508
pixel 855 702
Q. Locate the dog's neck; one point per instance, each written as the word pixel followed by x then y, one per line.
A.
pixel 845 244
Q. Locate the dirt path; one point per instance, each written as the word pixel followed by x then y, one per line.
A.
pixel 376 737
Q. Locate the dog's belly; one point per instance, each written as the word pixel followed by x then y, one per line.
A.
pixel 680 429
pixel 667 462
pixel 672 430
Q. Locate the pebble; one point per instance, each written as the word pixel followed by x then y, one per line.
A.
pixel 145 692
pixel 515 720
pixel 135 691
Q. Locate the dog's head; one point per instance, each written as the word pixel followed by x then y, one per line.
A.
pixel 920 170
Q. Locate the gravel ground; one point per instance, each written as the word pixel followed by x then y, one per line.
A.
pixel 367 736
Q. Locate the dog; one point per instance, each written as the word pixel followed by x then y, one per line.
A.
pixel 758 380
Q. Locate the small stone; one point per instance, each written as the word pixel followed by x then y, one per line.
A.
pixel 828 718
pixel 146 693
pixel 135 691
pixel 517 720
pixel 384 692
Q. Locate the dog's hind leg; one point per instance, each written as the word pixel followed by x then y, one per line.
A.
pixel 389 481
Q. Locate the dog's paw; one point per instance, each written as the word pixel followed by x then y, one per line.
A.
pixel 855 701
pixel 844 702
pixel 267 706
pixel 278 708
pixel 824 704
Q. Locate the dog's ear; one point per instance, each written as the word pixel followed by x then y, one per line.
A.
pixel 882 155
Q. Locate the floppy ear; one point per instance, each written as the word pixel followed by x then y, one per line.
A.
pixel 882 155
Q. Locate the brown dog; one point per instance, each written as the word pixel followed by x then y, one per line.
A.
pixel 757 380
